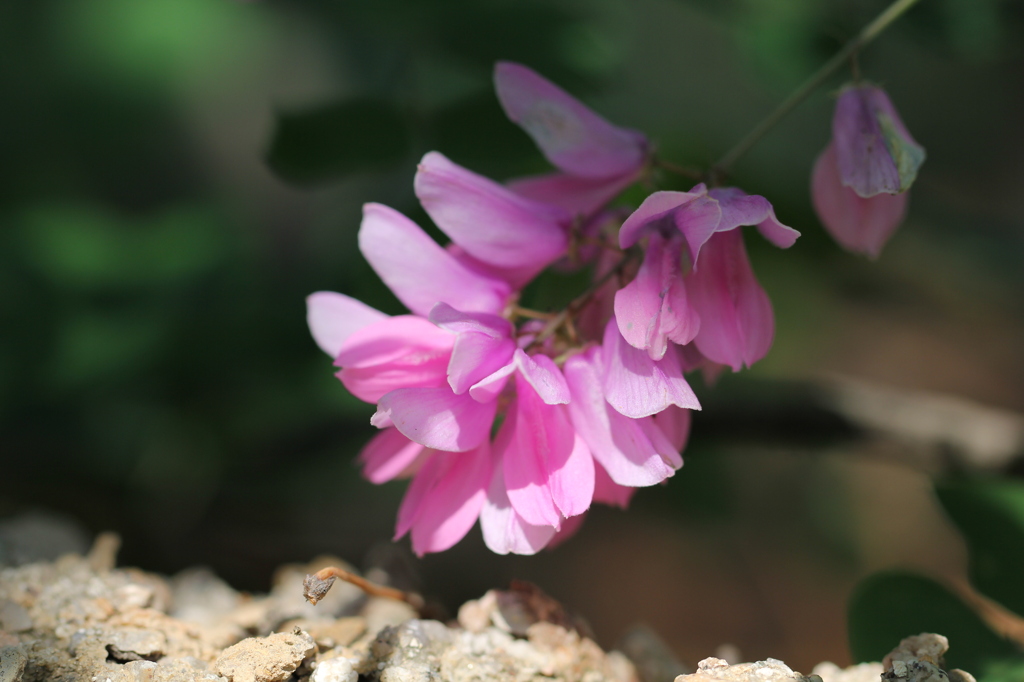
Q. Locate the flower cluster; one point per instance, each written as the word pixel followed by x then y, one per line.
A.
pixel 859 183
pixel 523 419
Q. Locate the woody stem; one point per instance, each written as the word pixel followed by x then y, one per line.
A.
pixel 866 35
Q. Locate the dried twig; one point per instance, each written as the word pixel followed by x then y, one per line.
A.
pixel 316 586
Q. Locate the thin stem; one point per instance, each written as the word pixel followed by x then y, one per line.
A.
pixel 316 586
pixel 531 314
pixel 866 35
pixel 691 173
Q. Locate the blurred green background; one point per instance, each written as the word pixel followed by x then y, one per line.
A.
pixel 180 174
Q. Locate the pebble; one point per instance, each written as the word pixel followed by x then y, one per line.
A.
pixel 335 670
pixel 265 659
pixel 12 663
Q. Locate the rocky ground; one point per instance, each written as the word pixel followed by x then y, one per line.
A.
pixel 79 618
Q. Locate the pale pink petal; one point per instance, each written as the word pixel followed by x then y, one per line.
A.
pixel 517 277
pixel 490 222
pixel 740 208
pixel 543 376
pixel 653 307
pixel 569 528
pixel 572 483
pixel 540 444
pixel 393 338
pixel 736 321
pixel 488 388
pixel 577 195
pixel 397 352
pixel 858 224
pixel 638 386
pixel 416 493
pixel 656 212
pixel 437 418
pixel 674 422
pixel 332 318
pixel 503 529
pixel 458 485
pixel 484 345
pixel 388 455
pixel 618 443
pixel 418 270
pixel 607 491
pixel 569 134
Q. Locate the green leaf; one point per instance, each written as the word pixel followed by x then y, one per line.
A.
pixel 331 141
pixel 990 514
pixel 887 607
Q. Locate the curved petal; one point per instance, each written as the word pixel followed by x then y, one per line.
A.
pixel 577 195
pixel 418 270
pixel 858 224
pixel 490 222
pixel 653 308
pixel 332 318
pixel 437 418
pixel 654 209
pixel 570 135
pixel 388 455
pixel 484 345
pixel 637 386
pixel 543 376
pixel 607 491
pixel 740 208
pixel 736 321
pixel 674 422
pixel 397 352
pixel 546 472
pixel 619 444
pixel 503 529
pixel 445 498
pixel 874 151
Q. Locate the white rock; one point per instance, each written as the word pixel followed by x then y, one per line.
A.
pixel 335 670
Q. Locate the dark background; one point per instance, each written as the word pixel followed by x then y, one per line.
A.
pixel 179 174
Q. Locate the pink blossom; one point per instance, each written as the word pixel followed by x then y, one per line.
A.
pixel 596 159
pixel 859 183
pixel 680 295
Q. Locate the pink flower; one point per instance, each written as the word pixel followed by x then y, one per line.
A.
pixel 859 183
pixel 596 159
pixel 441 375
pixel 713 301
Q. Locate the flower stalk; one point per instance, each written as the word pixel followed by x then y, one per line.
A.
pixel 866 35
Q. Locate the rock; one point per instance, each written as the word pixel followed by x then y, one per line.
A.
pixel 14 617
pixel 769 670
pixel 134 644
pixel 926 646
pixel 265 659
pixel 40 536
pixel 199 596
pixel 331 633
pixel 12 663
pixel 381 613
pixel 864 672
pixel 334 670
pixel 653 659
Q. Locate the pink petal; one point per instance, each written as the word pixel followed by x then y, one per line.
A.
pixel 455 489
pixel 859 225
pixel 736 320
pixel 656 211
pixel 653 307
pixel 674 422
pixel 637 386
pixel 489 221
pixel 619 444
pixel 503 529
pixel 397 352
pixel 418 270
pixel 332 318
pixel 577 195
pixel 437 418
pixel 607 491
pixel 388 455
pixel 740 208
pixel 517 277
pixel 490 387
pixel 484 345
pixel 874 151
pixel 546 471
pixel 543 376
pixel 570 135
